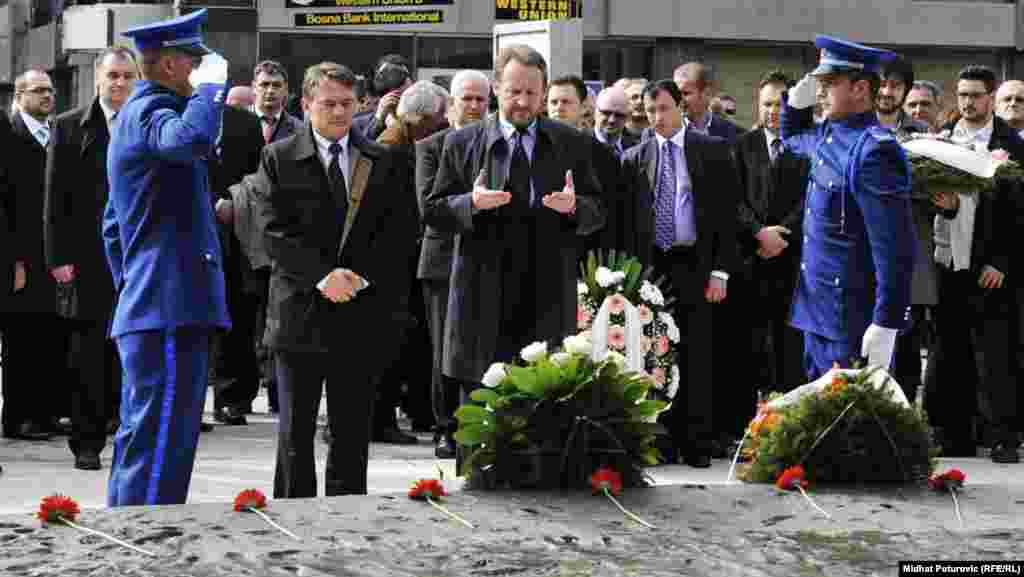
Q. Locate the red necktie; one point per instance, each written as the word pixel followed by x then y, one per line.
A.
pixel 268 128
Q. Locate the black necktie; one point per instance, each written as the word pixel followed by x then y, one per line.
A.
pixel 519 174
pixel 336 178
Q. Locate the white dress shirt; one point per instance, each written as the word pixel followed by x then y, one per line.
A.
pixel 40 130
pixel 683 184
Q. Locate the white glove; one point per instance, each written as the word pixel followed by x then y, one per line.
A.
pixel 804 94
pixel 878 345
pixel 212 70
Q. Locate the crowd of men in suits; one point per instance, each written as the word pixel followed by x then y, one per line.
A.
pixel 391 247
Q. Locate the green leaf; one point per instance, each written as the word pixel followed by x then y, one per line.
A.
pixel 525 379
pixel 470 414
pixel 611 259
pixel 633 276
pixel 486 396
pixel 647 408
pixel 652 456
pixel 636 389
pixel 471 435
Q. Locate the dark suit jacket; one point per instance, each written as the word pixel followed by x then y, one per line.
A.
pixel 286 126
pixel 615 195
pixel 238 154
pixel 25 201
pixel 6 252
pixel 299 219
pixel 76 195
pixel 366 124
pixel 714 190
pixel 436 250
pixel 480 245
pixel 769 196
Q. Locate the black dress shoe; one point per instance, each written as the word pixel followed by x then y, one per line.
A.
pixel 394 437
pixel 87 461
pixel 31 432
pixel 1005 453
pixel 205 427
pixel 229 416
pixel 698 460
pixel 445 448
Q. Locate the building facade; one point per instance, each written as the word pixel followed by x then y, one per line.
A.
pixel 741 39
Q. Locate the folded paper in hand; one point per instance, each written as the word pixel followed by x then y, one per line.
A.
pixel 976 162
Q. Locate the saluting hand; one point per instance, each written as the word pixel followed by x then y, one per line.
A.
pixel 564 201
pixel 484 199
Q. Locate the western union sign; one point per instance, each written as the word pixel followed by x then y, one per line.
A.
pixel 537 9
pixel 369 18
pixel 365 3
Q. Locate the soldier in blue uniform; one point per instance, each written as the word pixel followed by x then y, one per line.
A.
pixel 853 293
pixel 162 247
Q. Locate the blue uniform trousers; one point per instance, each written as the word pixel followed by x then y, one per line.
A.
pixel 820 353
pixel 162 398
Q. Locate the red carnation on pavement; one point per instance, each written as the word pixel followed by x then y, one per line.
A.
pixel 792 478
pixel 605 478
pixel 250 499
pixel 951 479
pixel 427 488
pixel 57 507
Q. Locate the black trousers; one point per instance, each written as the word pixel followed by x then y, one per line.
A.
pixel 35 356
pixel 99 375
pixel 690 420
pixel 444 390
pixel 976 362
pixel 234 366
pixel 301 378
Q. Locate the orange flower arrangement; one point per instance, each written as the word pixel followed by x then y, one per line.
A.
pixel 838 384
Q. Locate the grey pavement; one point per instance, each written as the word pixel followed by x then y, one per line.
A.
pixel 230 459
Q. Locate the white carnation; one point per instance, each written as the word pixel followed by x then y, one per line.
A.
pixel 534 352
pixel 494 375
pixel 651 294
pixel 578 345
pixel 618 276
pixel 673 387
pixel 670 324
pixel 561 359
pixel 581 288
pixel 605 278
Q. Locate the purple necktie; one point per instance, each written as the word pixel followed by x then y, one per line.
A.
pixel 664 211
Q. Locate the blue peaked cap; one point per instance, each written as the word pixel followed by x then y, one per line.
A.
pixel 843 56
pixel 181 33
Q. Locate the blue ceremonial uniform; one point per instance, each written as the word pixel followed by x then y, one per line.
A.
pixel 859 239
pixel 165 257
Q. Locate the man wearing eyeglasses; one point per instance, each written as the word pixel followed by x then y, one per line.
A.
pixel 30 321
pixel 976 256
pixel 1010 104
